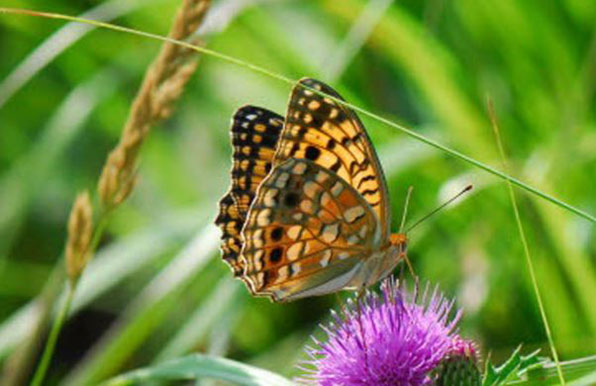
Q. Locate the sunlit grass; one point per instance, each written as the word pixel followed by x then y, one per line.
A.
pixel 537 66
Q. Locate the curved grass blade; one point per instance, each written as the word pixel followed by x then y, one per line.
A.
pixel 23 180
pixel 111 265
pixel 201 366
pixel 223 299
pixel 146 311
pixel 283 78
pixel 59 41
pixel 522 235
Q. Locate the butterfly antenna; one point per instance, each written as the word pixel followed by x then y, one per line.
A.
pixel 465 190
pixel 405 213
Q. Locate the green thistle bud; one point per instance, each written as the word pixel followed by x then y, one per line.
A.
pixel 459 366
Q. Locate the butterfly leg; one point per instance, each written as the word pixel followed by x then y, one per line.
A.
pixel 414 276
pixel 401 276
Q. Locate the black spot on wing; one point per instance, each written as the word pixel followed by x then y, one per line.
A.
pixel 277 233
pixel 291 199
pixel 312 153
pixel 275 255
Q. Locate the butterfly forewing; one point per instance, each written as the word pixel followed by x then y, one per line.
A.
pixel 255 133
pixel 321 130
pixel 306 228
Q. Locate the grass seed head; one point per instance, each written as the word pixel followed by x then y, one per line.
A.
pixel 80 232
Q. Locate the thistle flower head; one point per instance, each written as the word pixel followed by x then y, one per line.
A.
pixel 389 339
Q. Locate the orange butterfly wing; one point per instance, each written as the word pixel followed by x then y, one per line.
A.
pixel 311 217
pixel 306 234
pixel 321 130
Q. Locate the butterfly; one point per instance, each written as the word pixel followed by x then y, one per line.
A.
pixel 307 212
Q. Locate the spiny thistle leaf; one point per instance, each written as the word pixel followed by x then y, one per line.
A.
pixel 510 369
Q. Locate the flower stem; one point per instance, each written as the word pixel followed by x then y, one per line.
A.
pixel 48 351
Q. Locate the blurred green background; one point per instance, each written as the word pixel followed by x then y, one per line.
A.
pixel 157 288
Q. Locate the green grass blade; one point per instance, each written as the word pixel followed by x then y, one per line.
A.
pixel 202 366
pixel 355 39
pixel 581 371
pixel 110 266
pixel 146 312
pixel 291 81
pixel 223 298
pixel 526 248
pixel 59 41
pixel 23 180
pixel 48 351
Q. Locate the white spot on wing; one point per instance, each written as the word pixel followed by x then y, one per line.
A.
pixel 325 199
pixel 294 232
pixel 282 273
pixel 321 177
pixel 353 239
pixel 296 268
pixel 269 198
pixel 330 233
pixel 310 189
pixel 263 217
pixel 282 180
pixel 299 168
pixel 354 213
pixel 337 189
pixel 294 251
pixel 306 206
pixel 326 257
pixel 362 232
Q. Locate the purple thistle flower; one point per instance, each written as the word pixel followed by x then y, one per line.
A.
pixel 384 340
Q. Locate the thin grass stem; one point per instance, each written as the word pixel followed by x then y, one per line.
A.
pixel 290 81
pixel 48 351
pixel 524 241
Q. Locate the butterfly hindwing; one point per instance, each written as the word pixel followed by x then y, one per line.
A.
pixel 321 130
pixel 306 228
pixel 230 222
pixel 255 133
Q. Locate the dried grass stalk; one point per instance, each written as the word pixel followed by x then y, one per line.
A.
pixel 80 232
pixel 163 84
